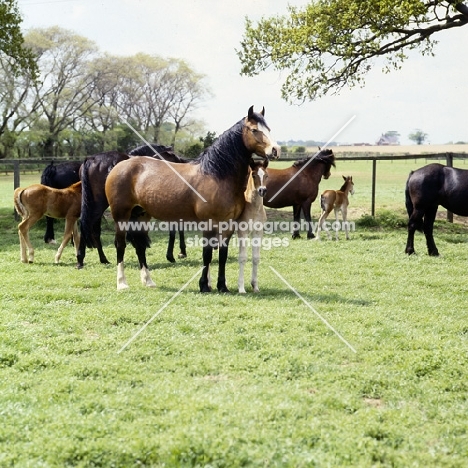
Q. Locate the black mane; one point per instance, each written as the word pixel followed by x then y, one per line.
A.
pixel 166 152
pixel 325 156
pixel 227 155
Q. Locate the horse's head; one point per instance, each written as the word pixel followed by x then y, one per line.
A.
pixel 328 158
pixel 257 138
pixel 349 184
pixel 259 175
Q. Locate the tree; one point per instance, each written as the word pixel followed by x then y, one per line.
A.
pixel 329 44
pixel 65 87
pixel 418 136
pixel 21 59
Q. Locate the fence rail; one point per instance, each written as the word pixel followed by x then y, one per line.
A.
pixel 27 165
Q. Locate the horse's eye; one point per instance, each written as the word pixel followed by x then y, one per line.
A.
pixel 254 130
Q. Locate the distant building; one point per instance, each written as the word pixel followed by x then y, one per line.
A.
pixel 389 138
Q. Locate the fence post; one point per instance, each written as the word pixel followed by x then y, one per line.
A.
pixel 16 181
pixel 449 161
pixel 374 170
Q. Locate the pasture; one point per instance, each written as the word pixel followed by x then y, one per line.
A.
pixel 227 380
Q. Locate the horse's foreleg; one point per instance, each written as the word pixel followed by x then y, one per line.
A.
pixel 69 228
pixel 242 238
pixel 183 247
pixel 141 242
pixel 306 208
pixel 344 212
pixel 204 282
pixel 297 221
pixel 337 223
pixel 170 246
pixel 256 245
pixel 76 236
pixel 49 237
pixel 322 218
pixel 223 255
pixel 429 218
pixel 120 245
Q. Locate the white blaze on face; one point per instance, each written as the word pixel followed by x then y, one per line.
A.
pixel 267 137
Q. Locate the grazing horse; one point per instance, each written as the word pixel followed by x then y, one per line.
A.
pixel 336 200
pixel 253 216
pixel 93 173
pixel 37 200
pixel 297 186
pixel 426 189
pixel 58 176
pixel 210 188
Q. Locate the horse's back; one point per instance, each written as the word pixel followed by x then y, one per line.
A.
pixel 436 184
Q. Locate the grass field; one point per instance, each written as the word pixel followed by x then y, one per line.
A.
pixel 241 380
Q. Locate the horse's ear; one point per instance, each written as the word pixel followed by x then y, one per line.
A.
pixel 263 111
pixel 250 113
pixel 344 178
pixel 265 163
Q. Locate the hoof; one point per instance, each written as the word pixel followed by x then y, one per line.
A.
pixel 434 253
pixel 310 236
pixel 205 289
pixel 79 266
pixel 296 236
pixel 181 255
pixel 223 289
pixel 104 261
pixel 51 241
pixel 122 286
pixel 170 258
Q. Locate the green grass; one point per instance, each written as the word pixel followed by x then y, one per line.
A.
pixel 241 380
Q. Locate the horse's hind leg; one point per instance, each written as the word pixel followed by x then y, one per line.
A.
pixel 141 241
pixel 414 223
pixel 25 243
pixel 429 218
pixel 97 236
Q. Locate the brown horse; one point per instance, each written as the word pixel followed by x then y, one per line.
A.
pixel 211 188
pixel 253 217
pixel 297 186
pixel 336 200
pixel 37 200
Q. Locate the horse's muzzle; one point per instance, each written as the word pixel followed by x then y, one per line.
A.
pixel 275 153
pixel 262 191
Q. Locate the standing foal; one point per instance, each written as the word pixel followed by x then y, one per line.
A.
pixel 254 216
pixel 37 200
pixel 337 200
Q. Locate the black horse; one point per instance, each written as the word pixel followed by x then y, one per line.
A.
pixel 58 176
pixel 426 189
pixel 93 175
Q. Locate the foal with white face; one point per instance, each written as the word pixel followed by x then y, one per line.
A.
pixel 253 215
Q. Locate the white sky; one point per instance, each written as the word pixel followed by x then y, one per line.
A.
pixel 428 93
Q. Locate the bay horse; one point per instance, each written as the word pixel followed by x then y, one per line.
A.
pixel 297 186
pixel 426 189
pixel 209 188
pixel 37 200
pixel 336 200
pixel 93 173
pixel 254 216
pixel 58 176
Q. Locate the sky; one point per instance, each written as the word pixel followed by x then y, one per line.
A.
pixel 427 93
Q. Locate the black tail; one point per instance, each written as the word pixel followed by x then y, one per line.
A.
pixel 87 205
pixel 48 175
pixel 409 204
pixel 408 201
